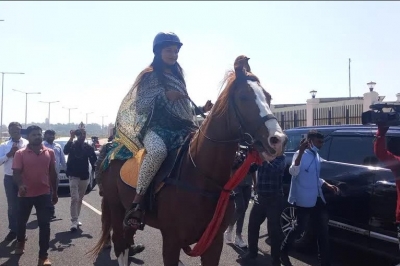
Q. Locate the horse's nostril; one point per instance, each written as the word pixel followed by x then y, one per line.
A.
pixel 274 140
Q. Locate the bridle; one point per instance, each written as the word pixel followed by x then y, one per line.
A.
pixel 243 132
pixel 242 138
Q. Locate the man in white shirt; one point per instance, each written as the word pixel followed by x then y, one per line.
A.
pixel 307 195
pixel 49 137
pixel 7 151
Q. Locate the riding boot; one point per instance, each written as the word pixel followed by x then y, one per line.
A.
pixel 133 216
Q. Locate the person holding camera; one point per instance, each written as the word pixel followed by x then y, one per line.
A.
pixel 49 137
pixel 392 162
pixel 79 154
pixel 306 194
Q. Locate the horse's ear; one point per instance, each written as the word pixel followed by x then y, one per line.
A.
pixel 242 66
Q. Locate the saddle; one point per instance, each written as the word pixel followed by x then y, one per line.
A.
pixel 130 171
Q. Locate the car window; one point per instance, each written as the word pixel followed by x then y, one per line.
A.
pixel 352 149
pixel 294 138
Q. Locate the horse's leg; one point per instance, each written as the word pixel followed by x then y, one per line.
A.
pixel 171 249
pixel 212 255
pixel 121 245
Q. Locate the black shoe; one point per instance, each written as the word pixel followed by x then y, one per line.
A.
pixel 285 261
pixel 11 236
pixel 248 256
pixel 136 249
pixel 53 217
pixel 276 262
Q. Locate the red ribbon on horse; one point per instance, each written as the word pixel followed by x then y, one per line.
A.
pixel 213 227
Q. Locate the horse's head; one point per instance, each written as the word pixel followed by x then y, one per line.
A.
pixel 251 104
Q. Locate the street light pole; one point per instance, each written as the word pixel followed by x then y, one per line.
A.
pixel 102 122
pixel 69 113
pixel 87 116
pixel 48 119
pixel 2 94
pixel 26 102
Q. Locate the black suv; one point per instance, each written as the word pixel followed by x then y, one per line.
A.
pixel 363 215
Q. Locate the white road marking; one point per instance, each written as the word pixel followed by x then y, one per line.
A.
pixel 91 207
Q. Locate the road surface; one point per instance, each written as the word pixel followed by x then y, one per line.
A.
pixel 68 249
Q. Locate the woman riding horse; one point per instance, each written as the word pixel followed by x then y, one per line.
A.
pixel 155 115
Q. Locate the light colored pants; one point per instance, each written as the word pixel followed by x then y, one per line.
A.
pixel 152 161
pixel 77 189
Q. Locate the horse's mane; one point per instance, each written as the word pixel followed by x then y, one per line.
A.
pixel 227 88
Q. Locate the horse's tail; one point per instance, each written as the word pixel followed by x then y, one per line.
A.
pixel 106 229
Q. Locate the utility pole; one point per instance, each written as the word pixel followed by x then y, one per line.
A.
pixel 2 95
pixel 69 113
pixel 26 102
pixel 48 118
pixel 349 79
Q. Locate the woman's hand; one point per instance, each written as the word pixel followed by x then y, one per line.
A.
pixel 207 107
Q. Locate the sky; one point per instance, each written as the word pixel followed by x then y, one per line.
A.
pixel 88 54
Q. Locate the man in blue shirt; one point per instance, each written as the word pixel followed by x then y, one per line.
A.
pixel 267 204
pixel 306 194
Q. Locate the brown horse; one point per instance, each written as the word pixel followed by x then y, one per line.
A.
pixel 241 113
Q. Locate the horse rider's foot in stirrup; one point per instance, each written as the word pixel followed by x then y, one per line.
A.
pixel 133 217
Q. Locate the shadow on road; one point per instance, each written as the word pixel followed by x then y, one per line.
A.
pixel 63 240
pixel 262 259
pixel 6 251
pixel 104 259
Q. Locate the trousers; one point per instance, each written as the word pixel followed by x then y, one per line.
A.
pixel 156 153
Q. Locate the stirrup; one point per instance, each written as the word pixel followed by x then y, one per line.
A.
pixel 133 217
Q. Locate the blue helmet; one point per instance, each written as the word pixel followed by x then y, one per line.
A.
pixel 163 38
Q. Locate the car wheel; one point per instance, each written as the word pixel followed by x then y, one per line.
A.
pixel 288 220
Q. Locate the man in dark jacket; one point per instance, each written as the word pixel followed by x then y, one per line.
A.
pixel 79 154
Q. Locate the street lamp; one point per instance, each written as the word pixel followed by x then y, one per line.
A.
pixel 371 85
pixel 87 116
pixel 313 93
pixel 102 122
pixel 48 119
pixel 26 102
pixel 69 113
pixel 2 93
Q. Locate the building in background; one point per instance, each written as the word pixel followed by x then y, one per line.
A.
pixel 327 111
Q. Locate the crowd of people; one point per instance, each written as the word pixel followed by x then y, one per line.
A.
pixel 31 168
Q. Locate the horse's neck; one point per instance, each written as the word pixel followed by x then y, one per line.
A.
pixel 214 158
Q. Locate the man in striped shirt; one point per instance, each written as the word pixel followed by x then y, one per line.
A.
pixel 268 204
